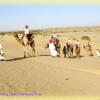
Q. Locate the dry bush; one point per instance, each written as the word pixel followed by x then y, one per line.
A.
pixel 86 38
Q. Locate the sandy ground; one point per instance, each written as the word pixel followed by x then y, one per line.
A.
pixel 47 75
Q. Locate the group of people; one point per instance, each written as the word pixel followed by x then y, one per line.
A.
pixel 69 47
pixel 69 43
pixel 54 44
pixel 88 47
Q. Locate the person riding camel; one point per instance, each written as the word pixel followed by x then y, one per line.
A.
pixel 88 48
pixel 69 42
pixel 27 33
pixel 54 38
pixel 54 35
pixel 56 43
pixel 89 45
pixel 77 43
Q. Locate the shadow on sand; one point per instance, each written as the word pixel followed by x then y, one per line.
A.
pixel 81 56
pixel 21 58
pixel 42 55
pixel 17 58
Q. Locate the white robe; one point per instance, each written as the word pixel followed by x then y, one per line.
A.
pixel 97 53
pixel 26 31
pixel 52 49
pixel 1 53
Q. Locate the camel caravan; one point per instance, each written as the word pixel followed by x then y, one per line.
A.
pixel 27 40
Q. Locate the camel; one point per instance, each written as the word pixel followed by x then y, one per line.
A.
pixel 88 49
pixel 70 49
pixel 57 47
pixel 77 51
pixel 26 43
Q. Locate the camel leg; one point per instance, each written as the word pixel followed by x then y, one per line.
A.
pixel 24 52
pixel 58 52
pixel 71 53
pixel 68 53
pixel 78 54
pixel 33 50
pixel 28 51
pixel 91 54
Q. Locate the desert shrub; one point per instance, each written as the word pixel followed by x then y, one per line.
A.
pixel 85 30
pixel 86 38
pixel 75 30
pixel 8 33
pixel 5 33
pixel 36 33
pixel 74 38
pixel 2 33
pixel 39 33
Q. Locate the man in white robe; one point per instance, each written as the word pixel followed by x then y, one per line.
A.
pixel 1 52
pixel 52 49
pixel 97 52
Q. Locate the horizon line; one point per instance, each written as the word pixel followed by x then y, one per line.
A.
pixel 16 30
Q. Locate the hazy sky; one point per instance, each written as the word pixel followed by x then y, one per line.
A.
pixel 15 17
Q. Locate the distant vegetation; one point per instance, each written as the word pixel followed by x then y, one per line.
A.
pixel 58 30
pixel 86 38
pixel 5 33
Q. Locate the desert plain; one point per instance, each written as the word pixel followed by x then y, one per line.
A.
pixel 50 76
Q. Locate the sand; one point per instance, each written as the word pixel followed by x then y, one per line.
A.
pixel 46 75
